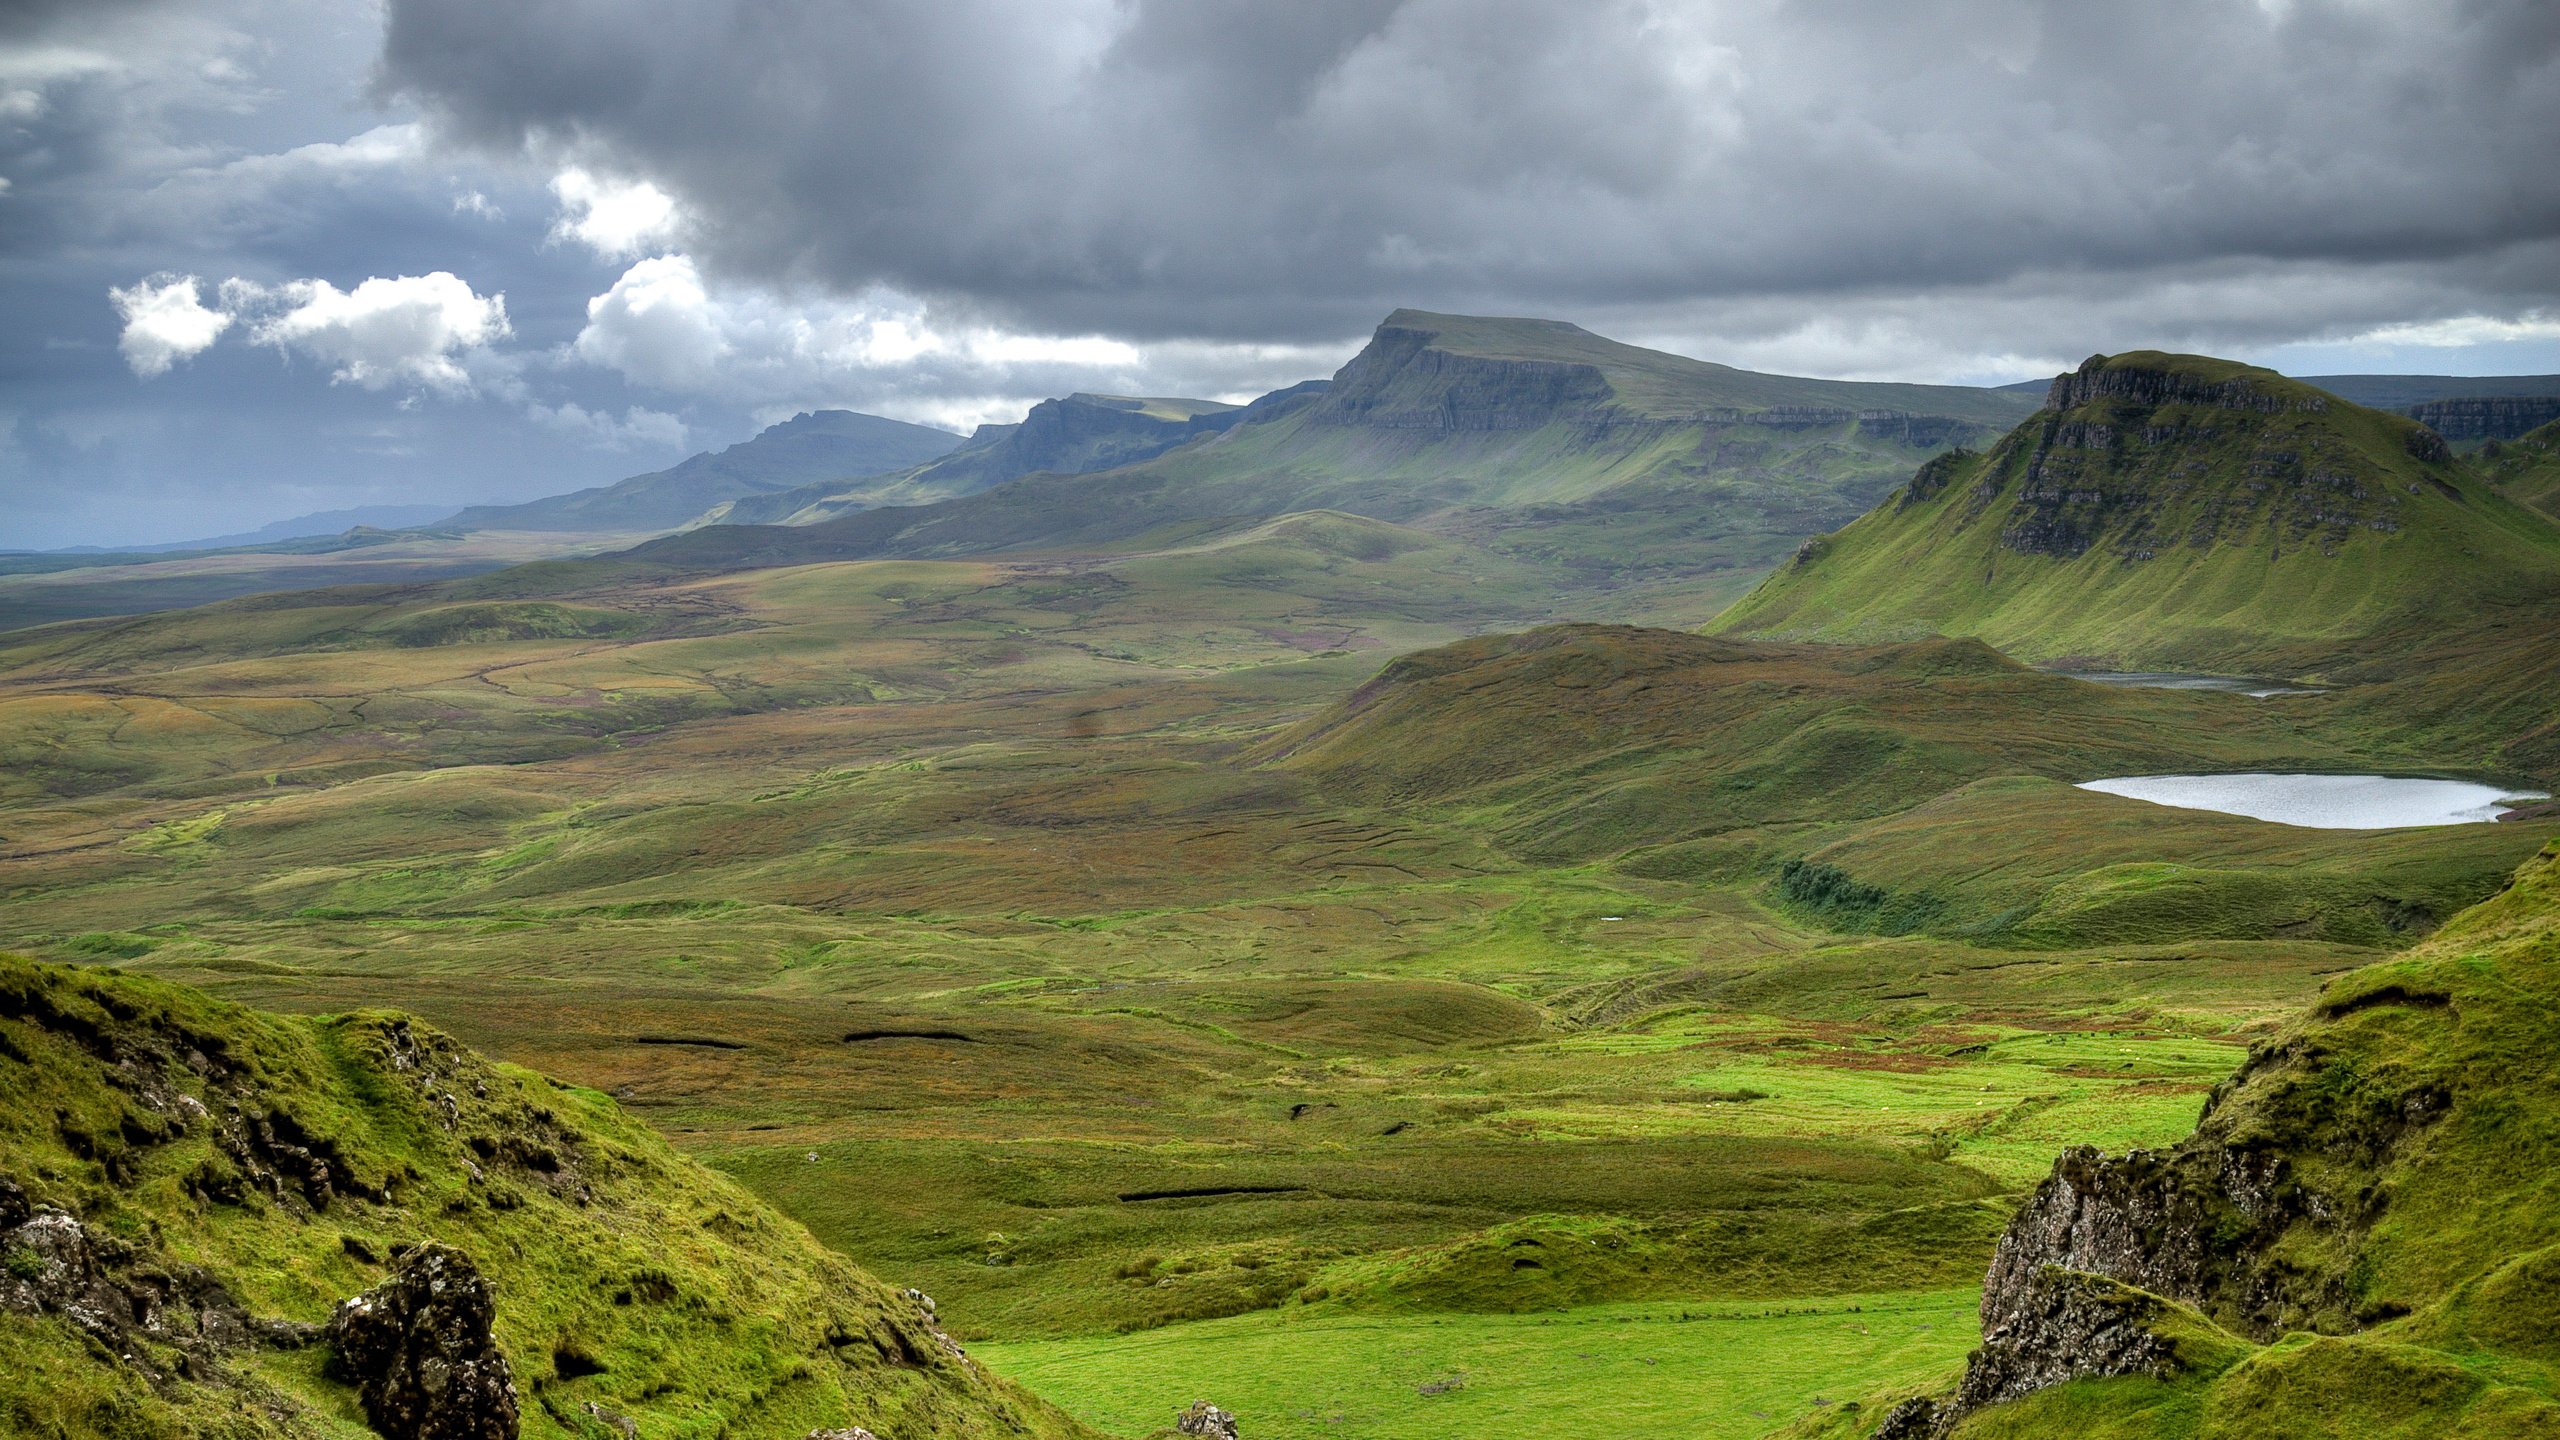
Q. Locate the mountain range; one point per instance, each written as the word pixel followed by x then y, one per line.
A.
pixel 817 445
pixel 1532 437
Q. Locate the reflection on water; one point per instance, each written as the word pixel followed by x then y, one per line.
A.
pixel 2172 680
pixel 2323 802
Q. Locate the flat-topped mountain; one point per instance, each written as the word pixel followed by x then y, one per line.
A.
pixel 1616 454
pixel 1463 372
pixel 2172 511
pixel 814 445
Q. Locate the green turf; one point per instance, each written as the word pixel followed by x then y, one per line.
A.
pixel 1705 1370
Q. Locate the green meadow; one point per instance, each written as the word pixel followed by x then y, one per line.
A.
pixel 1130 955
pixel 1708 1370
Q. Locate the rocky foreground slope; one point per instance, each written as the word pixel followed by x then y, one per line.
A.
pixel 215 1222
pixel 2361 1238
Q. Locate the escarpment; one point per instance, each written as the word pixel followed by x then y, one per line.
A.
pixel 2140 457
pixel 2143 380
pixel 2491 417
pixel 2367 1170
pixel 1402 381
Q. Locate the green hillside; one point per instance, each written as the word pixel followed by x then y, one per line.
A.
pixel 187 1188
pixel 2527 470
pixel 2174 512
pixel 2357 1240
pixel 1533 436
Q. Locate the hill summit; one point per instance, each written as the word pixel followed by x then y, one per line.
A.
pixel 2174 511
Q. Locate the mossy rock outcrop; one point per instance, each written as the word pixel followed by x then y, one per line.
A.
pixel 189 1190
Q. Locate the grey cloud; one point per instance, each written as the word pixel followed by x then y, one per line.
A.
pixel 1175 167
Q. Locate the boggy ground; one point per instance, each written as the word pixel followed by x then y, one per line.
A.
pixel 995 921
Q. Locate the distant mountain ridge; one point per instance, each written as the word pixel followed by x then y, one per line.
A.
pixel 814 445
pixel 1073 435
pixel 299 527
pixel 1484 425
pixel 2172 511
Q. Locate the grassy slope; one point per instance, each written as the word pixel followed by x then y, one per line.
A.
pixel 689 1306
pixel 2527 470
pixel 2216 535
pixel 1591 740
pixel 2424 1284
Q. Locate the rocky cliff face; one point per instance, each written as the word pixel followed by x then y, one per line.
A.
pixel 2487 418
pixel 2102 377
pixel 2386 1152
pixel 1404 382
pixel 1084 433
pixel 2141 458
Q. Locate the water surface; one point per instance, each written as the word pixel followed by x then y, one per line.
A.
pixel 2323 802
pixel 2173 680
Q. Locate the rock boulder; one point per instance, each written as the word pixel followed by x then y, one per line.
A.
pixel 422 1352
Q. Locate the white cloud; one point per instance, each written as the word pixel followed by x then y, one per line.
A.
pixel 618 219
pixel 2462 331
pixel 637 429
pixel 658 326
pixel 664 325
pixel 165 321
pixel 414 329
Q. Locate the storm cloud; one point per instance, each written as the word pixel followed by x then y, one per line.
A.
pixel 1215 169
pixel 266 256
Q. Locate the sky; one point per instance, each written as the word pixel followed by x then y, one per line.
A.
pixel 262 257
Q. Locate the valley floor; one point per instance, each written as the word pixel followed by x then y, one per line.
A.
pixel 958 910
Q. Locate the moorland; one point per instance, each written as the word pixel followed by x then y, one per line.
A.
pixel 1479 897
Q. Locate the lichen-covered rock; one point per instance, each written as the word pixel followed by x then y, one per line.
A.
pixel 421 1350
pixel 849 1432
pixel 49 1267
pixel 2062 1325
pixel 1207 1420
pixel 2054 1326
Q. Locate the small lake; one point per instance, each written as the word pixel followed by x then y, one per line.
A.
pixel 2324 802
pixel 2172 680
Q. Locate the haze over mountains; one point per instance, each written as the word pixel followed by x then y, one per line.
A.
pixel 825 444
